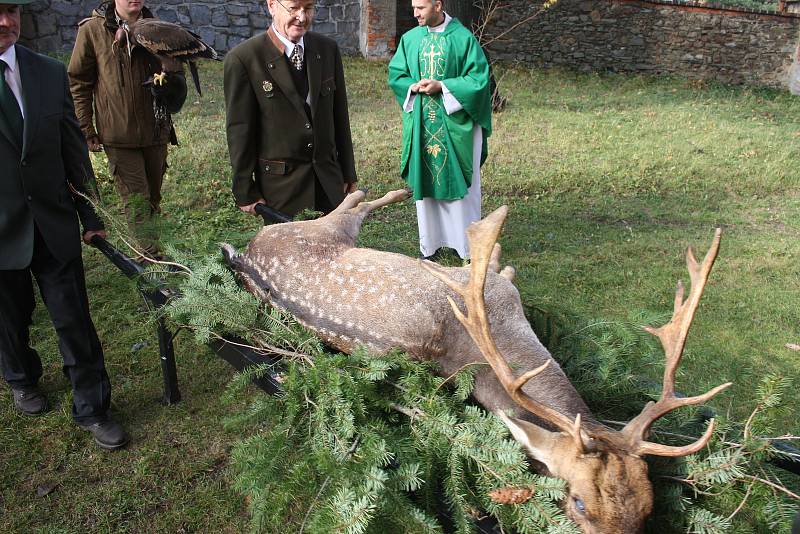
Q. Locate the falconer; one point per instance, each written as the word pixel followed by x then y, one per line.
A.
pixel 116 112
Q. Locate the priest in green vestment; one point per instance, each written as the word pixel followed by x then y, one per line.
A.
pixel 440 77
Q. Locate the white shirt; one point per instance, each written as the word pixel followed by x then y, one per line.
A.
pixel 12 75
pixel 288 45
pixel 288 48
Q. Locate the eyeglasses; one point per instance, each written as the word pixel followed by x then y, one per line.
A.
pixel 295 10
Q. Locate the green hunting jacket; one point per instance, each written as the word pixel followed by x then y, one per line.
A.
pixel 275 150
pixel 106 85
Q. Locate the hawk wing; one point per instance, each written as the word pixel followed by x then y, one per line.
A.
pixel 172 44
pixel 168 39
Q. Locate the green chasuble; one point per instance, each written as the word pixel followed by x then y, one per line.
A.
pixel 437 150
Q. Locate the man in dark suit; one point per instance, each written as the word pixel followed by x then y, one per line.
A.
pixel 287 121
pixel 46 169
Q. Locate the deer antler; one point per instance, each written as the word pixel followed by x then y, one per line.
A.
pixel 673 339
pixel 482 237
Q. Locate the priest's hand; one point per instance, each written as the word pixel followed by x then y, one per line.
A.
pixel 430 87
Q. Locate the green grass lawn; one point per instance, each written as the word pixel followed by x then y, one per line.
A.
pixel 608 178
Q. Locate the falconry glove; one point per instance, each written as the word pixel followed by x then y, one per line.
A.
pixel 171 94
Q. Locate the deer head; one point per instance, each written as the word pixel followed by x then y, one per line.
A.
pixel 609 491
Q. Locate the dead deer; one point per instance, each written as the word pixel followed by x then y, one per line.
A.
pixel 353 296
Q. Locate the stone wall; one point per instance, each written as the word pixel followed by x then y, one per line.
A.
pixel 692 40
pixel 663 36
pixel 51 25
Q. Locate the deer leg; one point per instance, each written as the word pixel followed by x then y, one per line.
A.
pixel 363 208
pixel 509 273
pixel 494 264
pixel 349 215
pixel 389 198
pixel 350 201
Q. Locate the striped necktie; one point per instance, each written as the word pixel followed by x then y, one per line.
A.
pixel 9 107
pixel 297 57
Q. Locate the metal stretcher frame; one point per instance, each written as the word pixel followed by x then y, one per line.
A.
pixel 229 349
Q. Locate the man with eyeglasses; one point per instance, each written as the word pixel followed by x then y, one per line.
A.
pixel 287 121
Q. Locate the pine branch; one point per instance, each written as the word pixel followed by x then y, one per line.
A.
pixel 774 486
pixel 741 504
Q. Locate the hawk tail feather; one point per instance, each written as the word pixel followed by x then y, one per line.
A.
pixel 195 76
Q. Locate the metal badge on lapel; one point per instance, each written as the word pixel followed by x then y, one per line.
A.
pixel 267 87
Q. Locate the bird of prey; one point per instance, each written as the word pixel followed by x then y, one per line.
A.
pixel 170 43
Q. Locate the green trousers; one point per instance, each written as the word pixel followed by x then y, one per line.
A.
pixel 138 176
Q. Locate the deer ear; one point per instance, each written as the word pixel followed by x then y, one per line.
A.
pixel 537 441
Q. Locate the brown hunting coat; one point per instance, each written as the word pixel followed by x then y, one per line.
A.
pixel 275 149
pixel 106 85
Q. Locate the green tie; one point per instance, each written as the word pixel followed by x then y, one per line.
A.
pixel 11 113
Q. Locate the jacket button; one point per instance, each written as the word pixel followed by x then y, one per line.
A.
pixel 308 126
pixel 310 145
pixel 266 168
pixel 30 198
pixel 271 65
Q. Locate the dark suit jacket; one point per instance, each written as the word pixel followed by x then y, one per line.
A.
pixel 36 178
pixel 274 149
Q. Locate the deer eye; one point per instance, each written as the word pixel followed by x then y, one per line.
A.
pixel 579 505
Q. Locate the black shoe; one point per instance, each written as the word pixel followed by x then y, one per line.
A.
pixel 107 434
pixel 29 401
pixel 436 256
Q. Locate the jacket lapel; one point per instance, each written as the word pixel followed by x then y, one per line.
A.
pixel 314 70
pixel 278 68
pixel 31 95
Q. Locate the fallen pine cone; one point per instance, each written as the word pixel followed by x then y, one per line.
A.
pixel 512 495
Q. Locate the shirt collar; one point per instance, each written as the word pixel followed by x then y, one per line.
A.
pixel 287 44
pixel 10 57
pixel 120 20
pixel 441 27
